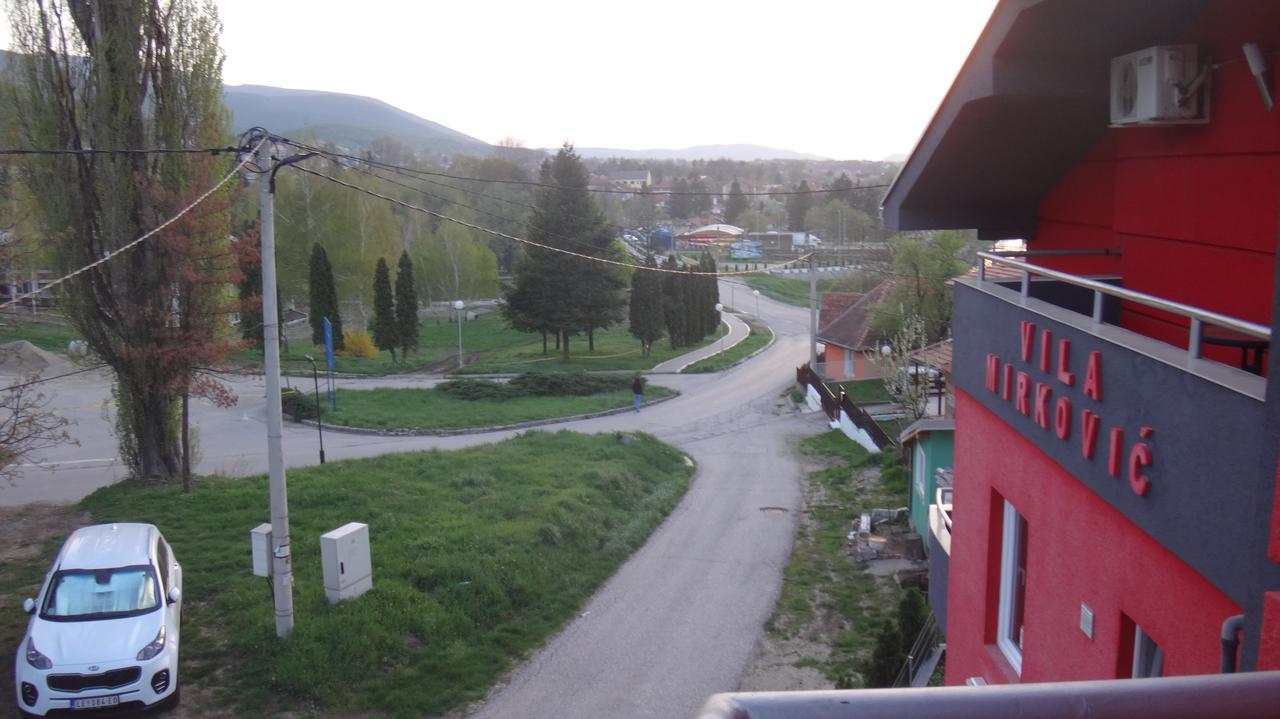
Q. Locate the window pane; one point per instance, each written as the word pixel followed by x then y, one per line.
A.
pixel 101 593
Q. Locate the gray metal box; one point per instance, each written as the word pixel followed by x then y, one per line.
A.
pixel 260 541
pixel 344 556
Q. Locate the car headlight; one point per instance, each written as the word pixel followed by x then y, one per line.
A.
pixel 35 658
pixel 154 647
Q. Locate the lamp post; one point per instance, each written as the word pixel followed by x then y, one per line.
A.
pixel 315 377
pixel 457 305
pixel 719 308
pixel 757 295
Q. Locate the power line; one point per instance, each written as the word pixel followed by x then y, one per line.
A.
pixel 42 380
pixel 522 240
pixel 141 151
pixel 145 236
pixel 532 183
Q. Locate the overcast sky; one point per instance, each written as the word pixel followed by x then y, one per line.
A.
pixel 846 79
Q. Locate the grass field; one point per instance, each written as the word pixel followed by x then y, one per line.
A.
pixel 865 391
pixel 789 290
pixel 759 337
pixel 615 349
pixel 49 336
pixel 428 409
pixel 826 597
pixel 478 556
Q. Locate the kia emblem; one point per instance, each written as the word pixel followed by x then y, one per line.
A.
pixel 93 668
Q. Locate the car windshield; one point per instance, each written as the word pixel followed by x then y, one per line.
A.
pixel 101 593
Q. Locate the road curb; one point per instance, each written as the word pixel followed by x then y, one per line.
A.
pixel 367 431
pixel 773 337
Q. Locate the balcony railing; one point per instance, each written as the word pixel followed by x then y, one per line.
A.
pixel 1196 316
pixel 1239 696
pixel 940 518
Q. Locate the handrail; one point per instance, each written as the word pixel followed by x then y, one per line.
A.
pixel 946 516
pixel 1195 314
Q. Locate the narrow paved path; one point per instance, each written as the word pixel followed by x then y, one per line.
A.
pixel 738 331
pixel 681 618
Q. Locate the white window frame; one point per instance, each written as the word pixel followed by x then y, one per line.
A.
pixel 1148 657
pixel 917 470
pixel 1009 551
pixel 848 364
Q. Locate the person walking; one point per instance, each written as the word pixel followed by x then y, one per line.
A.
pixel 637 388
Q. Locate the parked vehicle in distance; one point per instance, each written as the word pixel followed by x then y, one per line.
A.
pixel 104 628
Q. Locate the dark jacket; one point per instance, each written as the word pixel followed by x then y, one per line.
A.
pixel 637 386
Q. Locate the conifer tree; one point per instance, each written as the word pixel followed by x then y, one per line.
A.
pixel 798 206
pixel 324 299
pixel 679 204
pixel 735 204
pixel 385 335
pixel 673 304
pixel 406 306
pixel 646 316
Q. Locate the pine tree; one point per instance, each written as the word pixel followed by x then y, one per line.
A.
pixel 646 316
pixel 735 204
pixel 710 294
pixel 406 306
pixel 679 204
pixel 385 336
pixel 673 304
pixel 557 292
pixel 842 189
pixel 323 299
pixel 798 206
pixel 695 318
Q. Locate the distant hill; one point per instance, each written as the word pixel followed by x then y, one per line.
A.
pixel 701 152
pixel 349 120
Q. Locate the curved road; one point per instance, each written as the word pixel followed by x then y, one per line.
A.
pixel 679 621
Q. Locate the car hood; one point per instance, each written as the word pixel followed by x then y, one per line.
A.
pixel 97 641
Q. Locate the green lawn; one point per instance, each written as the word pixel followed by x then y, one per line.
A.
pixel 790 290
pixel 479 555
pixel 50 336
pixel 759 337
pixel 615 349
pixel 825 596
pixel 428 409
pixel 865 391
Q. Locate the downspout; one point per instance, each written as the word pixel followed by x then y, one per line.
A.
pixel 1231 629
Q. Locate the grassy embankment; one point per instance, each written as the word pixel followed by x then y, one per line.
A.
pixel 478 556
pixel 758 338
pixel 827 598
pixel 49 336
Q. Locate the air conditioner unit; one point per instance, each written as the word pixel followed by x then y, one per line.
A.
pixel 1155 85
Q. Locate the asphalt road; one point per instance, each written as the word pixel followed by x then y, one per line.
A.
pixel 681 618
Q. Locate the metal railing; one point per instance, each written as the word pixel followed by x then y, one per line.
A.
pixel 926 642
pixel 1253 695
pixel 833 404
pixel 1196 315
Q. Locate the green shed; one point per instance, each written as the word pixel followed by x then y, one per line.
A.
pixel 929 444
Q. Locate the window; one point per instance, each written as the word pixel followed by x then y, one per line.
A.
pixel 1013 586
pixel 162 559
pixel 1148 657
pixel 848 363
pixel 82 594
pixel 917 470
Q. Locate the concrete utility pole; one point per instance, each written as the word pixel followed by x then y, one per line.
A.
pixel 281 562
pixel 813 312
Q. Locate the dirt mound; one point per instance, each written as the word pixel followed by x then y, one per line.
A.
pixel 22 358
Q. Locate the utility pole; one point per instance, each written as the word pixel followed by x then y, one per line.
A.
pixel 281 562
pixel 813 312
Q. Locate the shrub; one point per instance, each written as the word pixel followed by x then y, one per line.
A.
pixel 359 344
pixel 297 405
pixel 474 389
pixel 566 384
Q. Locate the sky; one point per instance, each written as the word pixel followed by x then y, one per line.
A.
pixel 844 79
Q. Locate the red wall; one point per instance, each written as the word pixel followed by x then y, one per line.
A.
pixel 1079 550
pixel 1193 209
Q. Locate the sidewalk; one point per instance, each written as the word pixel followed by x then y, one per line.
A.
pixel 738 331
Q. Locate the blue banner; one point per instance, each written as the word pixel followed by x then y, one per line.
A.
pixel 328 344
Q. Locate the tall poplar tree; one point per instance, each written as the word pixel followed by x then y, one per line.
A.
pixel 323 299
pixel 385 330
pixel 798 206
pixel 673 304
pixel 406 305
pixel 735 204
pixel 106 75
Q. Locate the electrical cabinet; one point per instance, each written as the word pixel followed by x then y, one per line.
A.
pixel 344 556
pixel 260 542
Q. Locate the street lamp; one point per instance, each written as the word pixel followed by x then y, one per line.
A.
pixel 315 377
pixel 757 294
pixel 719 308
pixel 457 305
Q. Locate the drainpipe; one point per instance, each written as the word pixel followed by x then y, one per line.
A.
pixel 1231 629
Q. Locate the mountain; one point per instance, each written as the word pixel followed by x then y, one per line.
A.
pixel 700 152
pixel 348 120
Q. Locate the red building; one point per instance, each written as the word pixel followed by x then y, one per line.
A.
pixel 1115 508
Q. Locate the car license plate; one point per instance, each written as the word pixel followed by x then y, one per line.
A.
pixel 95 702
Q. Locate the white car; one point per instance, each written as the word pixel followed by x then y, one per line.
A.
pixel 104 628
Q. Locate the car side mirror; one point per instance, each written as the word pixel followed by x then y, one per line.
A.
pixel 29 605
pixel 175 595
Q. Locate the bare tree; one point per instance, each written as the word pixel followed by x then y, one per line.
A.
pixel 27 426
pixel 906 380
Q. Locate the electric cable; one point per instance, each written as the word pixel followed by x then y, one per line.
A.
pixel 42 380
pixel 141 151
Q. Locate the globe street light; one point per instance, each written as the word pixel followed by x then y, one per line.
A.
pixel 457 305
pixel 315 377
pixel 720 307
